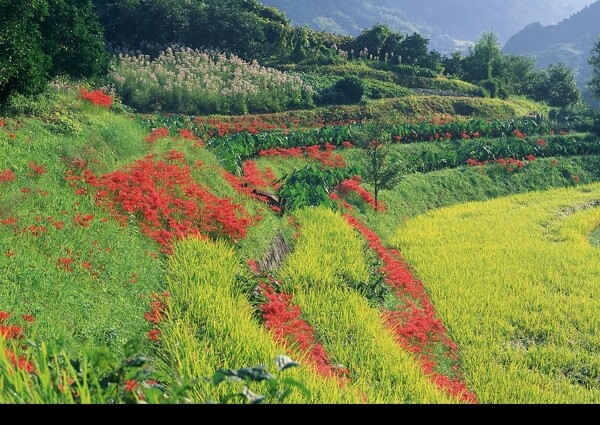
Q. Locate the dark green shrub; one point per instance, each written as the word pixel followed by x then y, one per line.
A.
pixel 74 40
pixel 352 88
pixel 310 186
pixel 23 64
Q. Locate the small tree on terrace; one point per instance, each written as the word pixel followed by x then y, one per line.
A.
pixel 378 167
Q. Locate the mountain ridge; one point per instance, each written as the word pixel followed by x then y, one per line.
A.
pixel 450 25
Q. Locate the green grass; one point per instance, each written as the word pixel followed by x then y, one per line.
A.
pixel 514 281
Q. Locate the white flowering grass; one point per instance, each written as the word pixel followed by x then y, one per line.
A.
pixel 191 81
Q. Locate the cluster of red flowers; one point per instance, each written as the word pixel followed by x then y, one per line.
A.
pixel 256 178
pixel 416 326
pixel 186 134
pixel 510 164
pixel 326 157
pixel 156 314
pixel 519 134
pixel 36 169
pixel 157 133
pixel 541 143
pixel 353 185
pixel 97 97
pixel 167 201
pixel 7 176
pixel 15 332
pixel 282 317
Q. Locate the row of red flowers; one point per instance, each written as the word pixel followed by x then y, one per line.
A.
pixel 281 316
pixel 415 326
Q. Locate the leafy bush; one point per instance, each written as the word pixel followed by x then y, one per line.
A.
pixel 311 186
pixel 43 39
pixel 351 87
pixel 23 62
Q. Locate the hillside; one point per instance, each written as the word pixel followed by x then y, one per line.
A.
pixel 246 212
pixel 140 253
pixel 449 24
pixel 569 41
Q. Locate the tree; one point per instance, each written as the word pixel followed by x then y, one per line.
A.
pixel 484 59
pixel 74 39
pixel 377 166
pixel 414 51
pixel 372 40
pixel 453 65
pixel 23 65
pixel 594 61
pixel 562 87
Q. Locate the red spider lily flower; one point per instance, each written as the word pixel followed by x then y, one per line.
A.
pixel 83 220
pixel 575 179
pixel 36 169
pixel 347 144
pixel 20 363
pixel 472 162
pixel 2 123
pixel 554 162
pixel 65 264
pixel 7 176
pixel 11 332
pixel 158 133
pixel 131 385
pixel 9 253
pixel 9 221
pixel 530 158
pixel 25 190
pixel 4 316
pixel 28 318
pixel 154 335
pixel 184 133
pixel 97 97
pixel 541 143
pixel 12 136
pixel 59 225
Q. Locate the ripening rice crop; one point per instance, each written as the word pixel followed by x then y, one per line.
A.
pixel 515 281
pixel 327 256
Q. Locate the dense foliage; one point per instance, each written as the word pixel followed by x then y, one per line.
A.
pixel 47 38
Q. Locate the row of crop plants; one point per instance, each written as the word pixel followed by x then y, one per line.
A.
pixel 514 280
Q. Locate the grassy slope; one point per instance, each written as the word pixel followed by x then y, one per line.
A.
pixel 505 297
pixel 106 304
pixel 79 309
pixel 411 107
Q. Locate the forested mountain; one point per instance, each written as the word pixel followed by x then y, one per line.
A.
pixel 569 42
pixel 449 24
